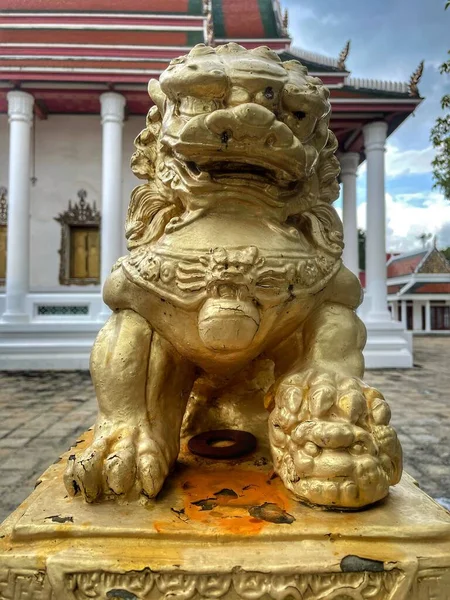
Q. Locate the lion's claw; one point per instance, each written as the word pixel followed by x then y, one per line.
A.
pixel 119 462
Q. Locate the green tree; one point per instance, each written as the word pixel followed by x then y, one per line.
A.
pixel 440 138
pixel 424 237
pixel 446 253
pixel 362 249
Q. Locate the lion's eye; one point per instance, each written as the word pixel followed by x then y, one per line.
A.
pixel 300 115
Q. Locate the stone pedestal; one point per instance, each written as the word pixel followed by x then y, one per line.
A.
pixel 223 530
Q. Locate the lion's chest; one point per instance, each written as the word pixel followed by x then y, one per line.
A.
pixel 230 290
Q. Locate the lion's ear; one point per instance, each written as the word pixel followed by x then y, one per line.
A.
pixel 156 94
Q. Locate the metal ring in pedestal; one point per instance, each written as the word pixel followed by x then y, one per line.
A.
pixel 206 444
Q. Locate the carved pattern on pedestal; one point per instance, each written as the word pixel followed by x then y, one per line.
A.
pixel 25 584
pixel 81 213
pixel 433 584
pixel 147 585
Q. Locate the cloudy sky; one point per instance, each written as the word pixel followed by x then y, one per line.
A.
pixel 389 38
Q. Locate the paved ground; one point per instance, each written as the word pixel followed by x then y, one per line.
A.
pixel 43 413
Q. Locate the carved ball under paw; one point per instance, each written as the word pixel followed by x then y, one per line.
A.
pixel 120 462
pixel 331 440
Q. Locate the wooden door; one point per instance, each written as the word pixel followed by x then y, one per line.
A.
pixel 84 253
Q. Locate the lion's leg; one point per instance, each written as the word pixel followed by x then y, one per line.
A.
pixel 142 389
pixel 329 432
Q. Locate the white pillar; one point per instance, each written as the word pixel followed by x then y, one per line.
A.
pixel 388 344
pixel 376 289
pixel 349 165
pixel 417 316
pixel 427 315
pixel 403 320
pixel 20 112
pixel 112 230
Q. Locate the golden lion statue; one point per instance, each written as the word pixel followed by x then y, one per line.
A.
pixel 235 261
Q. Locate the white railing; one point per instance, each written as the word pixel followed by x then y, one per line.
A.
pixel 377 84
pixel 313 57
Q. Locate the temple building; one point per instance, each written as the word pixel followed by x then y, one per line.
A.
pixel 419 291
pixel 73 95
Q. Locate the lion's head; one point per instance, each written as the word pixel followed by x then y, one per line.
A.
pixel 234 122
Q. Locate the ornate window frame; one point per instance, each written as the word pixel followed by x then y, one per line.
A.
pixel 3 216
pixel 80 214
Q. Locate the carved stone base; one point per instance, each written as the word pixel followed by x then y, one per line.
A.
pixel 223 530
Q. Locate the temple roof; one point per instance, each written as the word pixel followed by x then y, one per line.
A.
pixel 314 62
pixel 427 261
pixel 252 19
pixel 187 7
pixel 424 271
pixel 405 264
pixel 67 53
pixel 430 288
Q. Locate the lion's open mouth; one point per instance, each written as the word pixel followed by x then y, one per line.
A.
pixel 235 170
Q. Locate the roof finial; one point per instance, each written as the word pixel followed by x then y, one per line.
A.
pixel 209 24
pixel 3 206
pixel 343 56
pixel 286 21
pixel 414 81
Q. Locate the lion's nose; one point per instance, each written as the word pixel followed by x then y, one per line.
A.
pixel 246 120
pixel 254 114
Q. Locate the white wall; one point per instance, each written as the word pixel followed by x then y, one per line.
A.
pixel 68 158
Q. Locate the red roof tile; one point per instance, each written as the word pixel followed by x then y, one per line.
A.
pixel 174 6
pixel 242 19
pixel 405 265
pixel 394 289
pixel 430 288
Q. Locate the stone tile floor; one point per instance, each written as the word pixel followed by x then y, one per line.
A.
pixel 42 413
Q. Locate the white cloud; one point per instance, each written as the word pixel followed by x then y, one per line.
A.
pixel 405 222
pixel 405 162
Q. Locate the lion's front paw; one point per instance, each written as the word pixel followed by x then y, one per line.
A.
pixel 122 461
pixel 331 440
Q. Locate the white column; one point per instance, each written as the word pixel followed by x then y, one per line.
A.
pixel 349 164
pixel 404 320
pixel 388 344
pixel 417 316
pixel 112 230
pixel 427 315
pixel 20 112
pixel 376 290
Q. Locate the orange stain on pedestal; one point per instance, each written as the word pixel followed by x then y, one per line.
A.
pixel 224 500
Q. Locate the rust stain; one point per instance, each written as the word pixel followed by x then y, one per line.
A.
pixel 245 489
